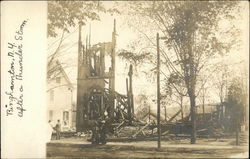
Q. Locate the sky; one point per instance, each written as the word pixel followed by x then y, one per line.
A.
pixel 101 31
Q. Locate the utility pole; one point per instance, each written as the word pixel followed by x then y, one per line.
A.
pixel 112 70
pixel 79 113
pixel 113 56
pixel 158 93
pixel 129 103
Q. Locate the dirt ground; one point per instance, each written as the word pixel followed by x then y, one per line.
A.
pixel 180 148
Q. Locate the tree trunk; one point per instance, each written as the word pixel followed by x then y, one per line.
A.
pixel 237 124
pixel 149 114
pixel 203 106
pixel 182 108
pixel 165 113
pixel 237 136
pixel 193 118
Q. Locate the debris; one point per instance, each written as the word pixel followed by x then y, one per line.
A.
pixel 141 130
pixel 177 113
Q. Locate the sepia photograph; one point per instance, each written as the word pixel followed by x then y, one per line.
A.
pixel 147 79
pixel 125 79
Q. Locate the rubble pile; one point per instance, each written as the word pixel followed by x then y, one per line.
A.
pixel 134 131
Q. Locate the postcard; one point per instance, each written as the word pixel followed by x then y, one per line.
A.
pixel 124 79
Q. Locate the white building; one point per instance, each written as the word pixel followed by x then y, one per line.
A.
pixel 60 98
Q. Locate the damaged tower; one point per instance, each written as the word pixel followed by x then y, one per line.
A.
pixel 96 96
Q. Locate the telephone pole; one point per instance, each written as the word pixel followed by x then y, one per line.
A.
pixel 158 93
pixel 79 112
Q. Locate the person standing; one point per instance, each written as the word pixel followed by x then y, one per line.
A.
pixel 58 130
pixel 50 130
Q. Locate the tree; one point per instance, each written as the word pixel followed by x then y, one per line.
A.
pixel 203 96
pixel 192 35
pixel 237 105
pixel 235 98
pixel 143 105
pixel 63 15
pixel 176 91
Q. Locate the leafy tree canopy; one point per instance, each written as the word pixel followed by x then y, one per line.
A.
pixel 65 14
pixel 192 32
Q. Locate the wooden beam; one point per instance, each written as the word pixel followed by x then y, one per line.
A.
pixel 177 113
pixel 140 130
pixel 164 133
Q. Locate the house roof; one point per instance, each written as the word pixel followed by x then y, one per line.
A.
pixel 64 74
pixel 55 68
pixel 171 111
